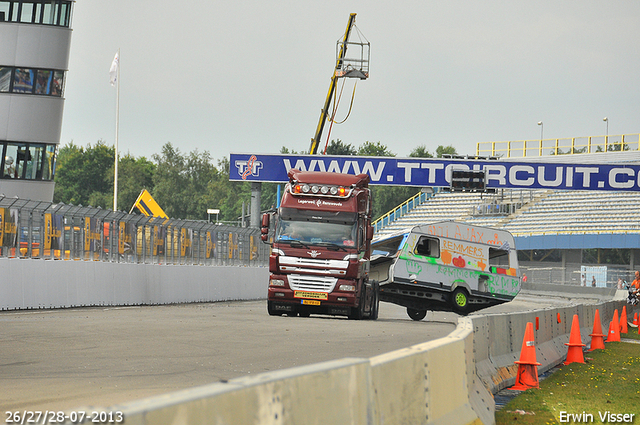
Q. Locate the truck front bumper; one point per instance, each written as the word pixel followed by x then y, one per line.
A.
pixel 295 301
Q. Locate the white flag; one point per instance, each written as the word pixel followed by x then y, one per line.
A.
pixel 113 72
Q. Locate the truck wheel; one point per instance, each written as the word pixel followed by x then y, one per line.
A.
pixel 357 313
pixel 460 300
pixel 271 309
pixel 416 315
pixel 375 308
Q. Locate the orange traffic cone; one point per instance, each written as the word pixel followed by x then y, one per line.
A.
pixel 623 321
pixel 597 337
pixel 614 329
pixel 527 365
pixel 574 355
pixel 635 319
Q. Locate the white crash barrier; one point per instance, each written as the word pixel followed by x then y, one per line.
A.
pixel 498 339
pixel 448 381
pixel 33 284
pixel 323 393
pixel 431 383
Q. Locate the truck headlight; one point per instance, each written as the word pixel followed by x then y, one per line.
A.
pixel 350 288
pixel 276 282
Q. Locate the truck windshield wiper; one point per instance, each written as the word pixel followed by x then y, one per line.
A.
pixel 330 245
pixel 297 243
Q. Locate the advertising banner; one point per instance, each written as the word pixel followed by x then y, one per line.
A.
pixel 186 236
pixel 210 250
pixel 92 241
pixel 159 233
pixel 53 226
pixel 125 237
pixel 8 227
pixel 436 172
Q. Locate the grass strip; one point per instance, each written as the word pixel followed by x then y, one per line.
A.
pixel 608 383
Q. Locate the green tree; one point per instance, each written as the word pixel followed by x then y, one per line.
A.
pixel 420 152
pixel 445 150
pixel 84 176
pixel 337 147
pixel 286 151
pixel 374 149
pixel 134 174
pixel 180 182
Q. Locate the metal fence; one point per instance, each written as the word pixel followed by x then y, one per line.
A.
pixel 573 145
pixel 570 274
pixel 401 210
pixel 37 229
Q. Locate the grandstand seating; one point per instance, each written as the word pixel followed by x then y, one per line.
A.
pixel 538 212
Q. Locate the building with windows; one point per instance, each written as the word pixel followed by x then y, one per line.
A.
pixel 35 38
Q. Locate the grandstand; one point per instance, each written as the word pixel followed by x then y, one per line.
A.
pixel 530 212
pixel 555 230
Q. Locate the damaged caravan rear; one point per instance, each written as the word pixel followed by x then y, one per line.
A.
pixel 447 266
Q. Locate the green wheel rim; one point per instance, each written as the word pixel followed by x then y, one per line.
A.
pixel 461 299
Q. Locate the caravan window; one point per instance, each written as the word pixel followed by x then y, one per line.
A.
pixel 499 258
pixel 429 247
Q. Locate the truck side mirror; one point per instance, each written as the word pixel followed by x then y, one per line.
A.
pixel 369 232
pixel 264 229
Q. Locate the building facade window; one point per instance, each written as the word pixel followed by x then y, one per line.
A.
pixel 44 82
pixel 28 161
pixel 53 12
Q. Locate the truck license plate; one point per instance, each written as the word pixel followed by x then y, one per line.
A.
pixel 311 295
pixel 310 302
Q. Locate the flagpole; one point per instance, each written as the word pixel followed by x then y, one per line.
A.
pixel 115 179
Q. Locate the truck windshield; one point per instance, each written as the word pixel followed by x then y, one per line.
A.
pixel 318 227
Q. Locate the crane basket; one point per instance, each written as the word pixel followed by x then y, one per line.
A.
pixel 356 64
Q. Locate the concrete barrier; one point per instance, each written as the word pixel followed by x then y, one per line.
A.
pixel 33 284
pixel 323 393
pixel 447 381
pixel 569 289
pixel 498 339
pixel 432 383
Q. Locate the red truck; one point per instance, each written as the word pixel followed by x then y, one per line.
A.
pixel 321 245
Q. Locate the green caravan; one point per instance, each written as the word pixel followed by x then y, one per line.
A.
pixel 446 266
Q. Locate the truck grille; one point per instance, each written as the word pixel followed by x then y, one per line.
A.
pixel 312 283
pixel 313 262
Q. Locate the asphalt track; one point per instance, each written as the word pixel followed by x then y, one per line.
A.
pixel 70 358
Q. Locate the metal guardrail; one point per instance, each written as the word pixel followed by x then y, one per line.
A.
pixel 570 145
pixel 38 229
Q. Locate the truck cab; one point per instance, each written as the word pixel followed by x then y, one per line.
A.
pixel 321 243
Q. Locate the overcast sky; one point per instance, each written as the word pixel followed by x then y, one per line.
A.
pixel 252 76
